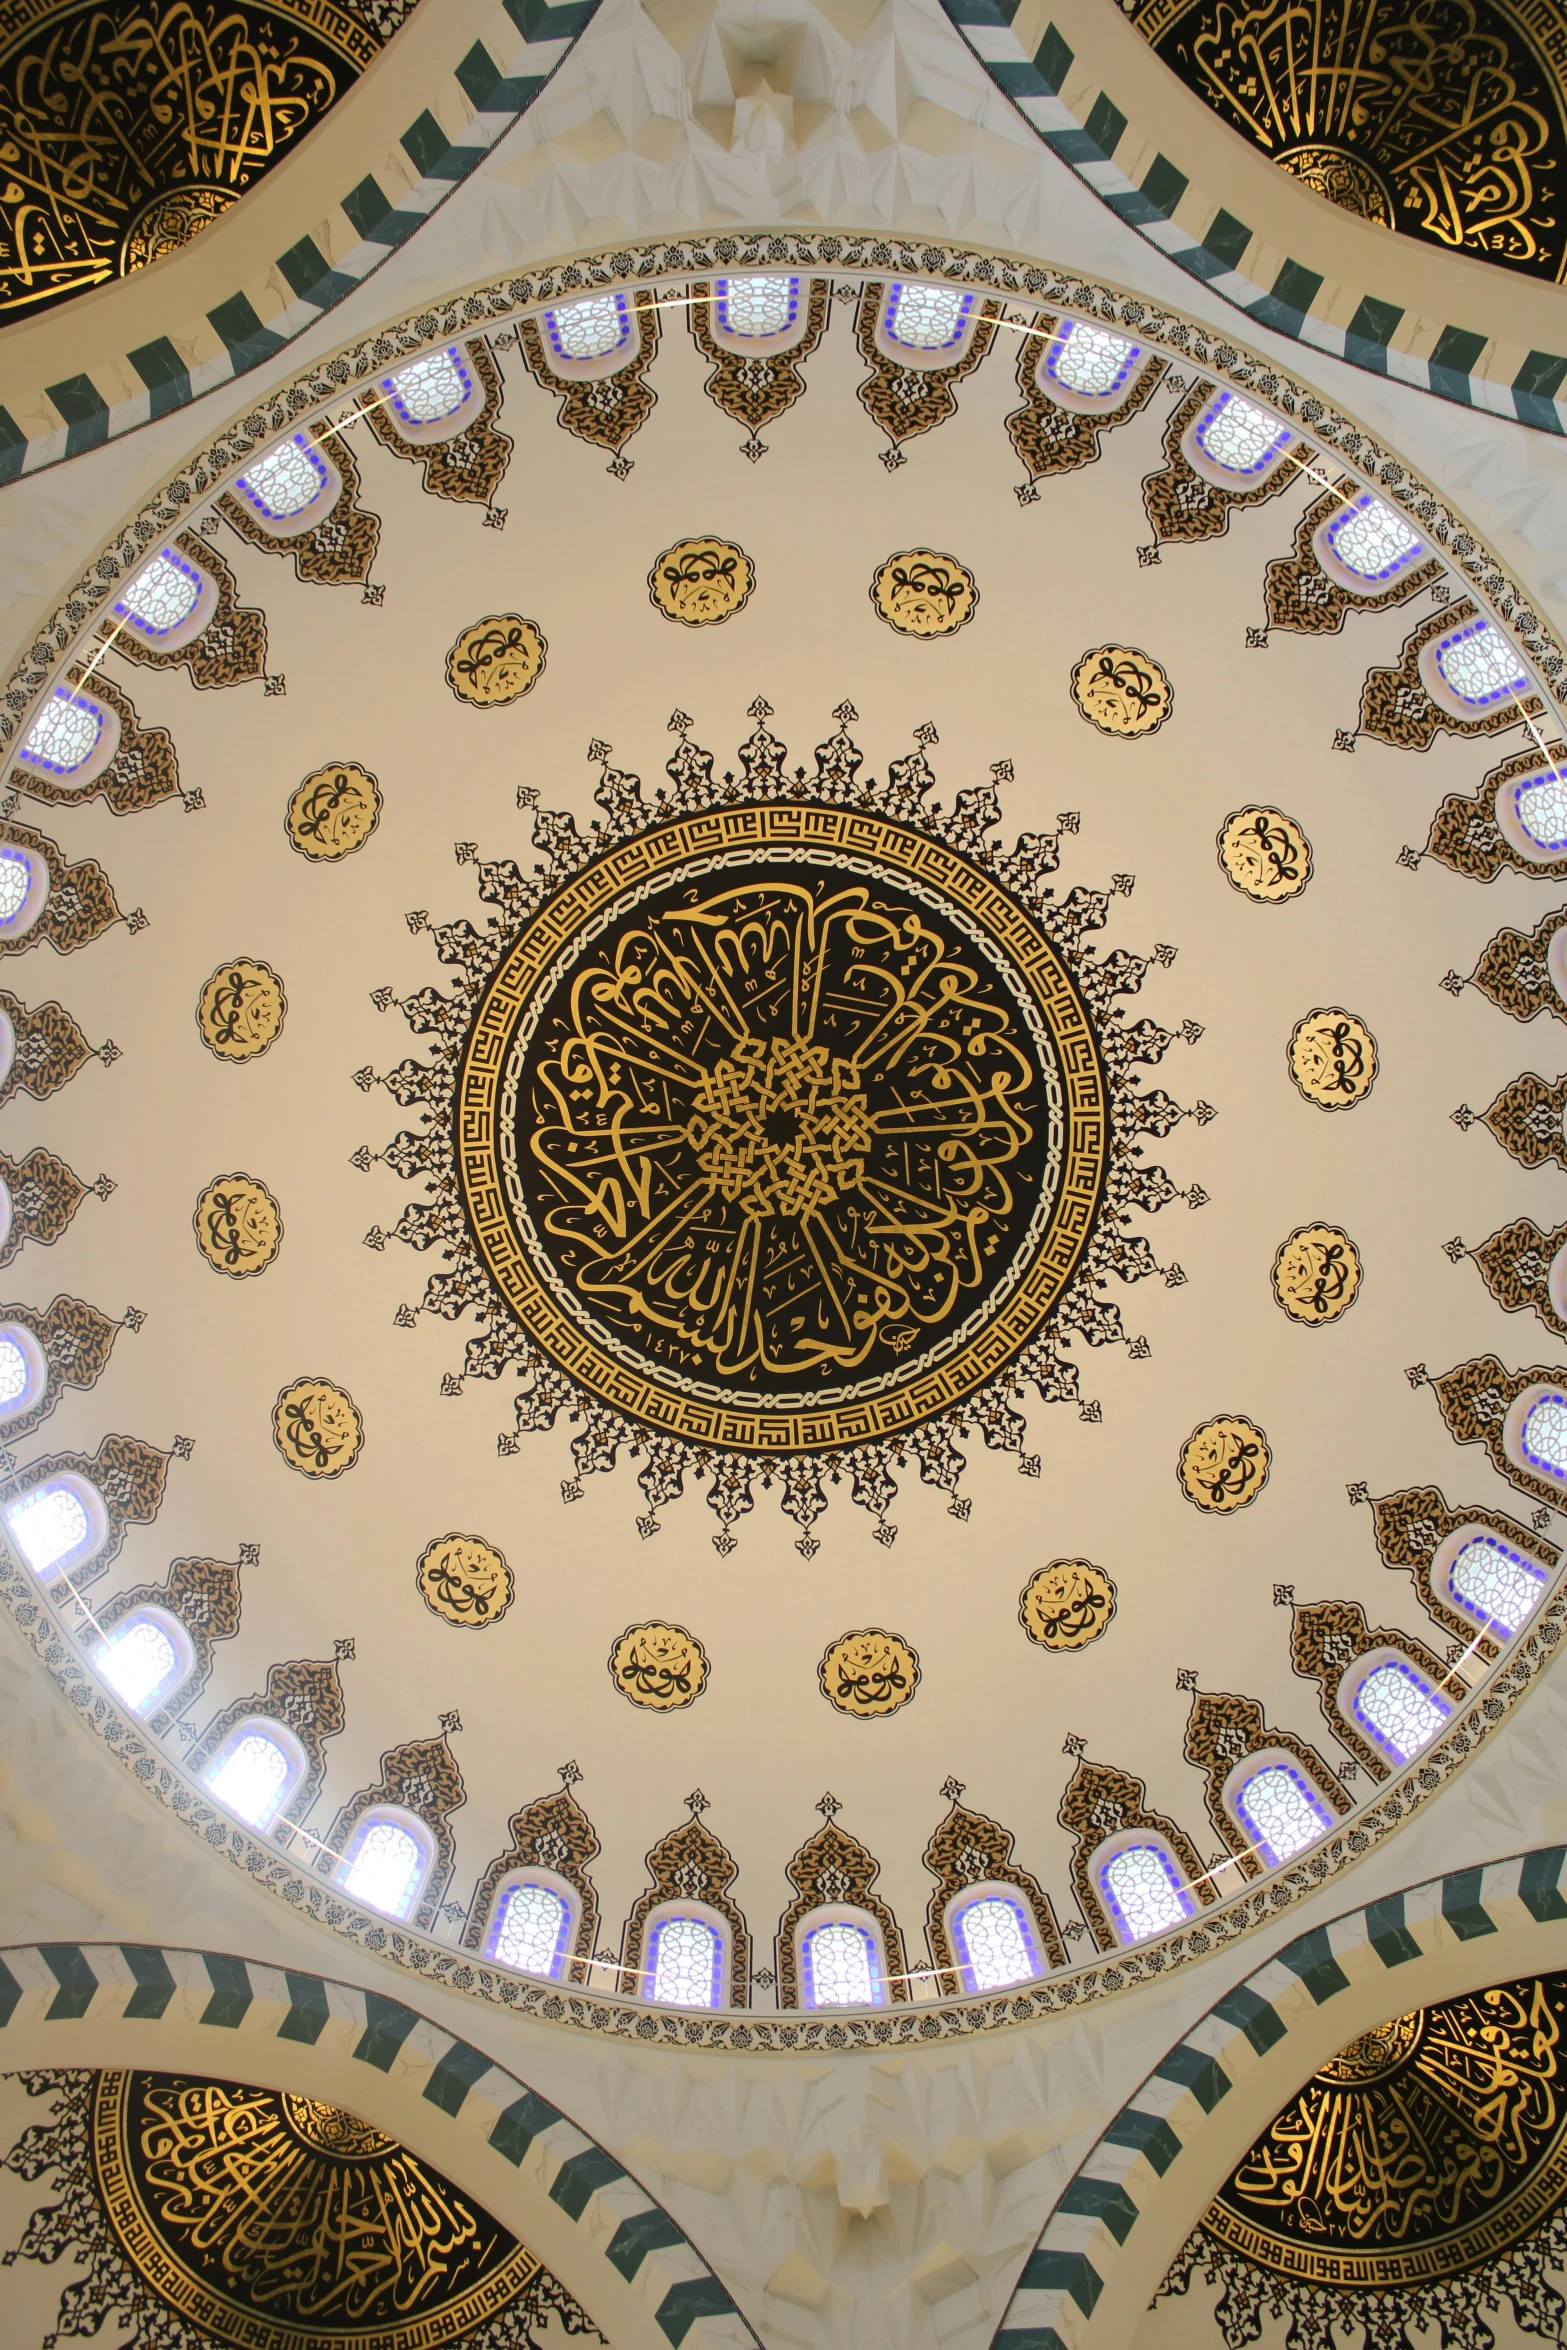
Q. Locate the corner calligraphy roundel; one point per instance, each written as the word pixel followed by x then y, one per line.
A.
pixel 495 661
pixel 1224 1464
pixel 1333 1058
pixel 1067 1604
pixel 783 1135
pixel 239 1226
pixel 921 593
pixel 333 812
pixel 659 1666
pixel 1121 691
pixel 1316 1274
pixel 700 581
pixel 465 1581
pixel 869 1674
pixel 241 1009
pixel 317 1428
pixel 1265 855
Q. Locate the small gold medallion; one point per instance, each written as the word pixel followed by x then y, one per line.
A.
pixel 1316 1274
pixel 1224 1464
pixel 239 1226
pixel 240 1010
pixel 869 1674
pixel 495 661
pixel 920 593
pixel 317 1428
pixel 699 581
pixel 1265 855
pixel 1333 1058
pixel 465 1581
pixel 1067 1604
pixel 1121 691
pixel 334 812
pixel 659 1666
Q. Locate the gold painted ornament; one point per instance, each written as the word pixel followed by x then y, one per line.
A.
pixel 238 1225
pixel 241 1009
pixel 921 593
pixel 659 1666
pixel 869 1674
pixel 1316 1274
pixel 1265 855
pixel 465 1581
pixel 317 1428
pixel 333 812
pixel 1122 691
pixel 496 660
pixel 1067 1604
pixel 701 581
pixel 1224 1464
pixel 1333 1058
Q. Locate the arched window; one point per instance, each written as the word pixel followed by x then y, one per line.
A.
pixel 1367 543
pixel 591 337
pixel 7 1063
pixel 256 1770
pixel 24 889
pixel 925 326
pixel 1495 1586
pixel 291 487
pixel 144 1659
pixel 1473 668
pixel 1534 1433
pixel 433 398
pixel 993 1935
pixel 1531 813
pixel 168 602
pixel 1276 1807
pixel 388 1858
pixel 1143 1890
pixel 1396 1707
pixel 7 1211
pixel 532 1925
pixel 58 1524
pixel 24 1375
pixel 684 1963
pixel 74 735
pixel 842 1963
pixel 1087 367
pixel 757 314
pixel 1236 443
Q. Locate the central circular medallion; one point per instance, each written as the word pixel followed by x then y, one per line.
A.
pixel 782 1128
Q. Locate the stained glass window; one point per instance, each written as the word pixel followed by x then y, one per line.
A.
pixel 589 329
pixel 429 388
pixel 1495 1584
pixel 1240 437
pixel 286 480
pixel 926 318
pixel 757 306
pixel 685 1963
pixel 1541 805
pixel 1143 1892
pixel 1399 1708
pixel 65 733
pixel 162 594
pixel 841 1966
pixel 252 1778
pixel 1543 1441
pixel 140 1662
pixel 1089 360
pixel 995 1942
pixel 49 1525
pixel 15 1376
pixel 1281 1812
pixel 16 879
pixel 385 1867
pixel 1372 539
pixel 1479 665
pixel 530 1930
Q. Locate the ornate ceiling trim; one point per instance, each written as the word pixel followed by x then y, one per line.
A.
pixel 1067 2277
pixel 1317 300
pixel 467 107
pixel 164 1994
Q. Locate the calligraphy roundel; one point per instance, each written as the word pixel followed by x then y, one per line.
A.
pixel 1067 1604
pixel 272 2222
pixel 782 1132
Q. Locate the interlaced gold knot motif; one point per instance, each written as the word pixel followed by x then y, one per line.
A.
pixel 781 1128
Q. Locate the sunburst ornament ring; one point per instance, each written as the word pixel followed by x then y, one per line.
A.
pixel 783 1128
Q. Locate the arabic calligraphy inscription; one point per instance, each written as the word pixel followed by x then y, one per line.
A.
pixel 1265 855
pixel 1316 1274
pixel 700 581
pixel 1333 1058
pixel 333 812
pixel 1121 691
pixel 240 1010
pixel 869 1674
pixel 317 1428
pixel 465 1581
pixel 239 1226
pixel 920 593
pixel 496 661
pixel 659 1666
pixel 1067 1604
pixel 1224 1464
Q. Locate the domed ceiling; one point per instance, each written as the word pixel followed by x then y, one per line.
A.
pixel 820 1182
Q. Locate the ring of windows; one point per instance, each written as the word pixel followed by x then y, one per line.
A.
pixel 57 1524
pixel 1142 1886
pixel 168 602
pixel 434 397
pixel 925 326
pixel 291 488
pixel 841 1958
pixel 1087 368
pixel 992 1936
pixel 257 1770
pixel 1392 1704
pixel 1472 669
pixel 24 889
pixel 73 737
pixel 144 1659
pixel 1234 443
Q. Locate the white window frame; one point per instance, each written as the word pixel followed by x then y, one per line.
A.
pixel 1511 825
pixel 572 371
pixel 37 1371
pixel 552 1884
pixel 103 753
pixel 282 1737
pixel 292 526
pixel 1353 1680
pixel 839 1913
pixel 1090 403
pixel 389 1815
pixel 910 354
pixel 1129 1840
pixel 1447 697
pixel 1271 1758
pixel 92 1541
pixel 989 1889
pixel 661 1915
pixel 36 896
pixel 1446 1556
pixel 424 433
pixel 184 632
pixel 177 1637
pixel 759 346
pixel 1513 1426
pixel 7 1064
pixel 1222 476
pixel 1355 583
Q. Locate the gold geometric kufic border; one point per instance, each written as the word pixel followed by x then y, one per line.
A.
pixel 803 826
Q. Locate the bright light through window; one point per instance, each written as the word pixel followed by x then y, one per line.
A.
pixel 138 1661
pixel 757 306
pixel 1480 666
pixel 1143 1892
pixel 1373 540
pixel 16 878
pixel 1090 360
pixel 430 388
pixel 531 1930
pixel 840 1967
pixel 1282 1813
pixel 995 1944
pixel 1494 1585
pixel 1399 1709
pixel 286 480
pixel 251 1779
pixel 927 318
pixel 385 1870
pixel 162 594
pixel 589 329
pixel 47 1525
pixel 685 1963
pixel 65 733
